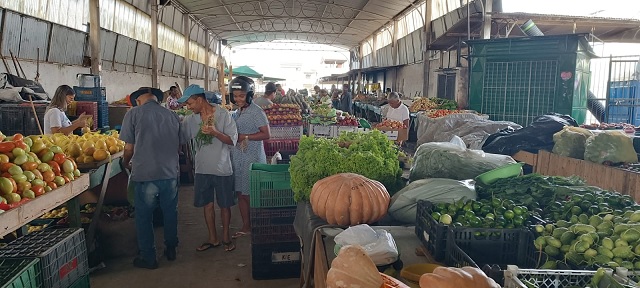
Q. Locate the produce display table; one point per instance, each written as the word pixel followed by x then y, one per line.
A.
pixel 318 252
pixel 605 177
pixel 17 217
pixel 404 236
pixel 100 174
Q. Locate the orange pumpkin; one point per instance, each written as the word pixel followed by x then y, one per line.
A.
pixel 445 277
pixel 349 199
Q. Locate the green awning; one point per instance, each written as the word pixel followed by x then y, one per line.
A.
pixel 273 79
pixel 244 71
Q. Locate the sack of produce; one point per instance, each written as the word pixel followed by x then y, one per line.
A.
pixel 570 142
pixel 435 190
pixel 610 147
pixel 537 136
pixel 448 160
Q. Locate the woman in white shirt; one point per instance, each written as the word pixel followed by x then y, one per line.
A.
pixel 55 119
pixel 396 110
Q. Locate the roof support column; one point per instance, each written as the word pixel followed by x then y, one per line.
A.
pixel 154 44
pixel 425 48
pixel 394 43
pixel 488 8
pixel 206 60
pixel 374 50
pixel 94 36
pixel 186 31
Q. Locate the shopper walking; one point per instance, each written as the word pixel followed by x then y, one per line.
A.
pixel 55 119
pixel 152 137
pixel 346 99
pixel 215 134
pixel 269 95
pixel 253 127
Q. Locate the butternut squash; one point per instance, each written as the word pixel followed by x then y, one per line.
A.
pixel 353 269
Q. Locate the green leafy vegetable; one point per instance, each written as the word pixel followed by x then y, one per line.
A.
pixel 369 154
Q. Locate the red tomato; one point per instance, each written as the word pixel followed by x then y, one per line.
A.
pixel 59 158
pixel 52 185
pixel 6 147
pixel 55 167
pixel 20 144
pixel 66 179
pixel 4 167
pixel 38 190
pixel 18 137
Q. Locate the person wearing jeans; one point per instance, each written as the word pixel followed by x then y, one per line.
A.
pixel 152 136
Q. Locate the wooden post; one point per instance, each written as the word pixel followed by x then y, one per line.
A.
pixel 425 50
pixel 154 44
pixel 94 36
pixel 221 87
pixel 206 60
pixel 186 31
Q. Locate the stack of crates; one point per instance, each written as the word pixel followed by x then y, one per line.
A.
pixel 61 256
pixel 284 139
pixel 275 246
pixel 19 118
pixel 98 95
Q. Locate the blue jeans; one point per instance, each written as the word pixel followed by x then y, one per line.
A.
pixel 146 198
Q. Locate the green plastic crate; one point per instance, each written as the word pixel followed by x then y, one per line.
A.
pixel 83 282
pixel 19 273
pixel 270 186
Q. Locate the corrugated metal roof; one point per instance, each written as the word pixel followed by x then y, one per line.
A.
pixel 338 23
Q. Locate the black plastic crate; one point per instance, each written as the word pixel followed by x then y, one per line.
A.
pixel 94 94
pixel 432 234
pixel 273 225
pixel 19 118
pixel 276 261
pixel 456 257
pixel 484 245
pixel 19 273
pixel 62 254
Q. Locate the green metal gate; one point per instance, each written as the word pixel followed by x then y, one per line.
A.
pixel 518 79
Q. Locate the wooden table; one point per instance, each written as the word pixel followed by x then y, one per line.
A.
pixel 100 173
pixel 404 236
pixel 17 217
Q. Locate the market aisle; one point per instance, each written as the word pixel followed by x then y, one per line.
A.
pixel 211 268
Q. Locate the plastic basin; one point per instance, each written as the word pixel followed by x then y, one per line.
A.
pixel 507 171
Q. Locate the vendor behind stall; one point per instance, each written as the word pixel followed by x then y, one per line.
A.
pixel 395 110
pixel 55 119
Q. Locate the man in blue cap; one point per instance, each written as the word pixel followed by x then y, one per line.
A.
pixel 214 132
pixel 152 136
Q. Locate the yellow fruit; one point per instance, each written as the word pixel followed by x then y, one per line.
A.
pixel 87 144
pixel 88 159
pixel 74 150
pixel 111 141
pixel 101 144
pixel 113 149
pixel 86 130
pixel 80 159
pixel 101 154
pixel 89 151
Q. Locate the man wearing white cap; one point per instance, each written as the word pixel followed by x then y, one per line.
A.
pixel 214 132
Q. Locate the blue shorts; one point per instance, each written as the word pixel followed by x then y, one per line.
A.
pixel 207 186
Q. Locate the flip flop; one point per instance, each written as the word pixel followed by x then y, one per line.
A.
pixel 229 246
pixel 240 234
pixel 206 246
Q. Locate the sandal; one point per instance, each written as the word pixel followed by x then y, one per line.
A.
pixel 240 234
pixel 206 246
pixel 229 246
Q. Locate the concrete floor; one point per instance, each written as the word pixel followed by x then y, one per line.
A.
pixel 212 268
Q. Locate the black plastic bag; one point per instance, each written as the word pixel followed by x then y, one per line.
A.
pixel 537 136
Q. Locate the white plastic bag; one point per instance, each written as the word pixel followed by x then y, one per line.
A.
pixel 378 244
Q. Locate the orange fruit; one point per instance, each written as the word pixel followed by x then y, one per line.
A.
pixel 101 154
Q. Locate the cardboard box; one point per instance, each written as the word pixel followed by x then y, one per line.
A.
pixel 398 135
pixel 116 115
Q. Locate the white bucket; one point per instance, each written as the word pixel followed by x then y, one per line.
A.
pixel 89 80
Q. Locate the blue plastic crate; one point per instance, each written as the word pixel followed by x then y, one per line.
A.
pixel 96 94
